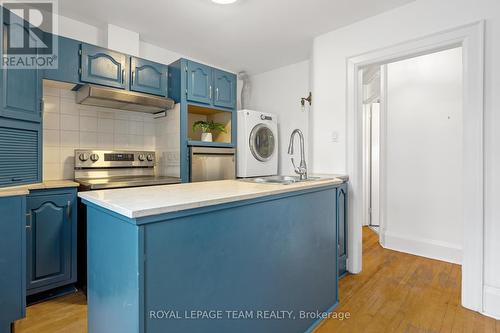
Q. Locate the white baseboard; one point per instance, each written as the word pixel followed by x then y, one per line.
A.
pixel 428 248
pixel 491 302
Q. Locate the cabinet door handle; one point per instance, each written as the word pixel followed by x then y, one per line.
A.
pixel 68 210
pixel 210 92
pixel 217 93
pixel 30 219
pixel 132 78
pixel 123 76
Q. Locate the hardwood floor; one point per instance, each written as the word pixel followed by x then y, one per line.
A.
pixel 396 292
pixel 67 314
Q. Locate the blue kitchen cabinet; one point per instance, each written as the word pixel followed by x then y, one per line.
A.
pixel 210 86
pixel 148 76
pixel 199 83
pixel 20 88
pixel 12 260
pixel 342 202
pixel 51 239
pixel 68 61
pixel 20 152
pixel 266 253
pixel 103 66
pixel 225 89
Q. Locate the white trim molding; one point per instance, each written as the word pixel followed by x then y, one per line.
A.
pixel 423 247
pixel 492 302
pixel 471 38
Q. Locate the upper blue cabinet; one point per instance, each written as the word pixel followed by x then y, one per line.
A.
pixel 68 61
pixel 199 83
pixel 225 89
pixel 210 86
pixel 148 77
pixel 20 88
pixel 103 66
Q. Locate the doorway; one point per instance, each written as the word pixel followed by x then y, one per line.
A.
pixel 421 99
pixel 471 39
pixel 372 95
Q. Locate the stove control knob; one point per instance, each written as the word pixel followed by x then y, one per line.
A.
pixel 83 157
pixel 150 157
pixel 141 157
pixel 94 157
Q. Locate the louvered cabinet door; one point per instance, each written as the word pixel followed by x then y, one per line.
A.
pixel 20 154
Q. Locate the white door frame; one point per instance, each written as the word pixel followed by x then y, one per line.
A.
pixel 471 39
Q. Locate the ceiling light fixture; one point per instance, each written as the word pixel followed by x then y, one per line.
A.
pixel 224 2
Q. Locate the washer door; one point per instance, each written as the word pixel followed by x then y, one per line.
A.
pixel 262 142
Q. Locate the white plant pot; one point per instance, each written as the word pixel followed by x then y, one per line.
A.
pixel 206 137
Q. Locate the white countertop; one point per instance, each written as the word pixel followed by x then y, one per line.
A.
pixel 154 200
pixel 25 189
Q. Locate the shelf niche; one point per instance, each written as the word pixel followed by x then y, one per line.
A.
pixel 196 113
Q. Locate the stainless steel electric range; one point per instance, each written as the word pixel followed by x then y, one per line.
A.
pixel 106 169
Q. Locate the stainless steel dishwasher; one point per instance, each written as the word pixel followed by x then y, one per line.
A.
pixel 209 163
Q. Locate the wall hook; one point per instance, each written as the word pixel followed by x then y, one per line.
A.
pixel 308 99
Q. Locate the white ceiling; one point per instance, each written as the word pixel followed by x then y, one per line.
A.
pixel 251 35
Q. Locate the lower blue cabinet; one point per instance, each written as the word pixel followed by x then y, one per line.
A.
pixel 51 228
pixel 12 260
pixel 342 205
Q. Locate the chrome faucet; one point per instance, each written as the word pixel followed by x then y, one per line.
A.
pixel 301 170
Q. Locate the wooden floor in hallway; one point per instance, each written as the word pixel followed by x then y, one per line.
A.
pixel 399 292
pixel 396 292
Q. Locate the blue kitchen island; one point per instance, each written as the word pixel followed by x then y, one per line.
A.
pixel 224 256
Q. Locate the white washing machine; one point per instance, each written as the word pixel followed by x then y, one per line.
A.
pixel 257 144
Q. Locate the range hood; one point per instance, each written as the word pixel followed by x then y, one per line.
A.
pixel 122 99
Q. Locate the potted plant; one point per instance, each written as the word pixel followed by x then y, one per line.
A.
pixel 207 127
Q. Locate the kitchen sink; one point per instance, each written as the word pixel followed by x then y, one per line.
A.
pixel 283 180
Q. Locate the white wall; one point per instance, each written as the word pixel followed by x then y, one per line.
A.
pixel 417 19
pixel 279 91
pixel 424 156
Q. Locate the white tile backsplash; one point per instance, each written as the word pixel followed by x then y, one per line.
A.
pixel 69 139
pixel 88 124
pixel 88 140
pixel 68 106
pixel 70 122
pixel 51 121
pixel 68 126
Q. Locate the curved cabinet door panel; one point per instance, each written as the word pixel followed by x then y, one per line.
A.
pixel 199 81
pixel 20 88
pixel 225 89
pixel 102 66
pixel 148 77
pixel 49 239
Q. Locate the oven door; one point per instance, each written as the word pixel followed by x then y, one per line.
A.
pixel 212 164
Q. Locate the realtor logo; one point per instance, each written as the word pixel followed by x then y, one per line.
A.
pixel 29 38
